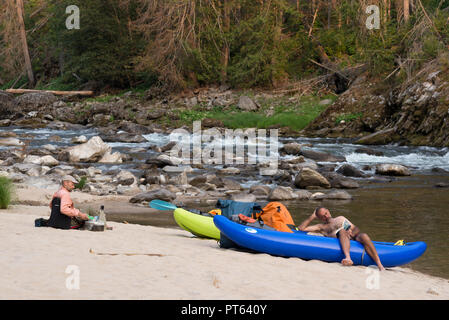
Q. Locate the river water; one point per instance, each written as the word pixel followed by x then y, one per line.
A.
pixel 408 208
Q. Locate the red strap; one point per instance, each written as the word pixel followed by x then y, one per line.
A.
pixel 246 219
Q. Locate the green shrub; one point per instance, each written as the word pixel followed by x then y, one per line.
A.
pixel 80 185
pixel 6 192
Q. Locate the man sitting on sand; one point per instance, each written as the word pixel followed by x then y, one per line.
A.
pixel 63 213
pixel 344 230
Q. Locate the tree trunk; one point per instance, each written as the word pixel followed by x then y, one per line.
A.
pixel 225 52
pixel 26 54
pixel 406 10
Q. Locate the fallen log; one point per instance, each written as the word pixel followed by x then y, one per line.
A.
pixel 57 93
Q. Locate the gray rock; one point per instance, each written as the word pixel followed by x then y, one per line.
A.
pixel 230 184
pixel 338 195
pixel 124 137
pixel 160 194
pixel 177 169
pixel 229 171
pixel 303 194
pixel 282 193
pixel 78 140
pixel 308 178
pixel 153 176
pixel 109 157
pixel 135 128
pixel 246 104
pixel 91 151
pixel 198 180
pixel 318 196
pixel 321 156
pixel 370 152
pixel 45 160
pixel 164 160
pixel 392 170
pixel 180 179
pixel 125 178
pixel 378 138
pixel 244 197
pixel 350 171
pixel 11 142
pixel 340 182
pixel 31 101
pixel 260 190
pixel 292 148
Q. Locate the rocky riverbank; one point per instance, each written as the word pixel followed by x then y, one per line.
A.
pixel 376 112
pixel 151 172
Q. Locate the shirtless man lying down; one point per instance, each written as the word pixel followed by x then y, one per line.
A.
pixel 344 230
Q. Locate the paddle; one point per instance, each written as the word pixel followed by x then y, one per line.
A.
pixel 162 205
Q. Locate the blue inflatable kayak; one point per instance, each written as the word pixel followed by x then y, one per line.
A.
pixel 301 245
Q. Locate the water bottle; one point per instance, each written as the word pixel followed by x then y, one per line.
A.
pixel 103 217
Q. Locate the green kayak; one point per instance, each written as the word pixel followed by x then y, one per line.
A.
pixel 201 226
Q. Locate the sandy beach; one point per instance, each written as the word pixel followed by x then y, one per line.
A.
pixel 145 262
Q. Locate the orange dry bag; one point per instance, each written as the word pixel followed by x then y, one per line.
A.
pixel 276 215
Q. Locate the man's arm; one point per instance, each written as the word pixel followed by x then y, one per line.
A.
pixel 68 209
pixel 305 225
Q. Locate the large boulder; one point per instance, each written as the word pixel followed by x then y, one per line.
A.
pixel 134 128
pixel 124 137
pixel 340 182
pixel 350 171
pixel 125 178
pixel 246 104
pixel 281 194
pixel 44 161
pixel 91 151
pixel 260 191
pixel 7 105
pixel 163 160
pixel 388 169
pixel 11 142
pixel 292 148
pixel 310 178
pixel 161 194
pixel 65 114
pixel 33 101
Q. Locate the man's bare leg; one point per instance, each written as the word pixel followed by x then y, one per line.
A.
pixel 345 244
pixel 364 239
